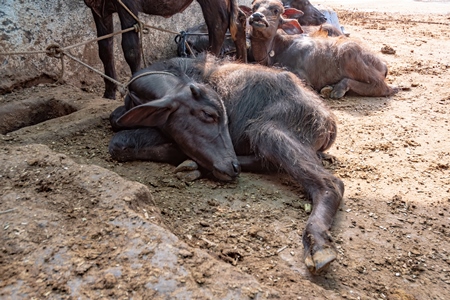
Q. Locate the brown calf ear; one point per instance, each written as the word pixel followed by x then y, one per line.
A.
pixel 321 32
pixel 151 114
pixel 292 13
pixel 246 10
pixel 291 26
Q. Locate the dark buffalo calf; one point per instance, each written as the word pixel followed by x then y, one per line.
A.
pixel 275 122
pixel 311 15
pixel 183 115
pixel 197 42
pixel 219 16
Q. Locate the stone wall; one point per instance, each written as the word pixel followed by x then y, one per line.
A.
pixel 34 24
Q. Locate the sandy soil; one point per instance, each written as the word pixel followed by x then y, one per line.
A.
pixel 392 230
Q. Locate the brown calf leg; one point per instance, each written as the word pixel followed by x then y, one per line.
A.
pixel 378 88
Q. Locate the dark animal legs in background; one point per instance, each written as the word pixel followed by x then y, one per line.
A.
pixel 219 16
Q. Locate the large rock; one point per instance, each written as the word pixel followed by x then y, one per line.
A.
pixel 72 231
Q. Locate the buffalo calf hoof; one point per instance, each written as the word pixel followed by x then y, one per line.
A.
pixel 187 165
pixel 188 171
pixel 318 262
pixel 394 90
pixel 337 93
pixel 325 92
pixel 189 176
pixel 347 34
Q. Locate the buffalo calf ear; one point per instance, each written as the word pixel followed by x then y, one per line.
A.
pixel 246 10
pixel 292 13
pixel 195 91
pixel 153 113
pixel 291 26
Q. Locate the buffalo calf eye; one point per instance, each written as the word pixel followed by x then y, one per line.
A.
pixel 209 116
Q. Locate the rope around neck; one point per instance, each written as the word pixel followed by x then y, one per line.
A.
pixel 146 74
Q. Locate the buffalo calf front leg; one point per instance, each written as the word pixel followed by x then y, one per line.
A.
pixel 282 148
pixel 319 249
pixel 145 144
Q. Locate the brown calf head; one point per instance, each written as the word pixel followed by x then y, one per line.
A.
pixel 195 118
pixel 269 15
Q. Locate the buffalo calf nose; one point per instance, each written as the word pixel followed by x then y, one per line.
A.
pixel 236 167
pixel 257 16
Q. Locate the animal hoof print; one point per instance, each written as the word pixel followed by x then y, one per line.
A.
pixel 187 165
pixel 189 176
pixel 318 262
pixel 386 49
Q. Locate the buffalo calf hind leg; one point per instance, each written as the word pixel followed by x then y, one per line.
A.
pixel 377 88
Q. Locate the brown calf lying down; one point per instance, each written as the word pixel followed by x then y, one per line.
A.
pixel 320 61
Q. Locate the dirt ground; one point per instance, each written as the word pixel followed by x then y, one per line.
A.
pixel 392 231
